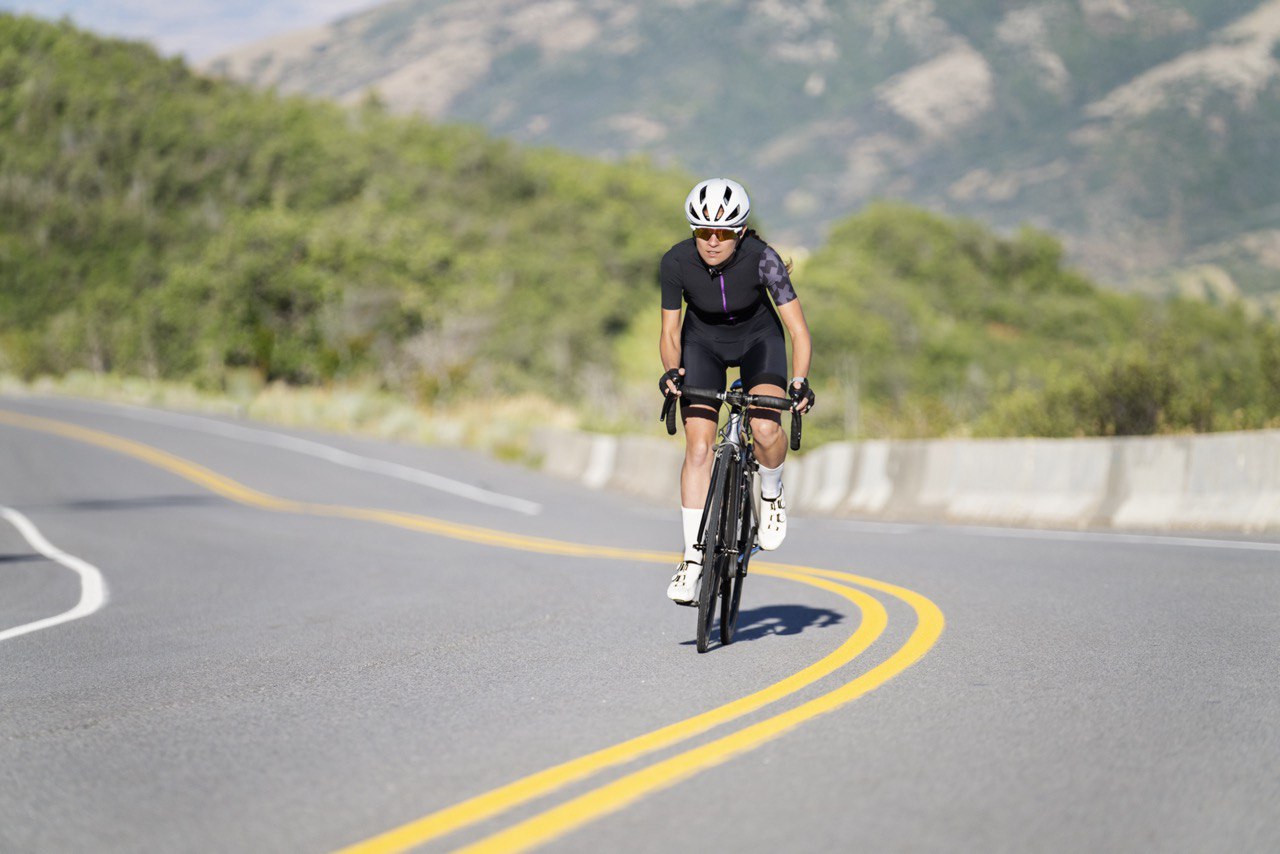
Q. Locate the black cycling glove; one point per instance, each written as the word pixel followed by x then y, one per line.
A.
pixel 674 376
pixel 802 393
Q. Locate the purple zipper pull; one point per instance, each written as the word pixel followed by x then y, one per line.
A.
pixel 724 300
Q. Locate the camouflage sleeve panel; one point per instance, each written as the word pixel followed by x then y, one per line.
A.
pixel 773 274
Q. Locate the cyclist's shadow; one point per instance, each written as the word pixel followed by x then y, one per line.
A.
pixel 755 623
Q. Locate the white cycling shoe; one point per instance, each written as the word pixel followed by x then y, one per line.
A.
pixel 773 523
pixel 683 589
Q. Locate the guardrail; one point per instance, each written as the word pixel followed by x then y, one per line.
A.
pixel 1228 481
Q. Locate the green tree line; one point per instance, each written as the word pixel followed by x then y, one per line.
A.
pixel 940 326
pixel 157 223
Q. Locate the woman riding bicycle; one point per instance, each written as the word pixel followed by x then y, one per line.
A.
pixel 728 276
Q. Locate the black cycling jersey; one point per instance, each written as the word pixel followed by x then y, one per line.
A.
pixel 730 322
pixel 730 293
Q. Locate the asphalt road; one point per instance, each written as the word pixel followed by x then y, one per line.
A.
pixel 304 649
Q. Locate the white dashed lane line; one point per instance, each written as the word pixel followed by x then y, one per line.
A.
pixel 328 453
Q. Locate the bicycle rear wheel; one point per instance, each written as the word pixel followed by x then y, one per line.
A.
pixel 713 548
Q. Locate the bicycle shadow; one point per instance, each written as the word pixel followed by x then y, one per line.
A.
pixel 756 623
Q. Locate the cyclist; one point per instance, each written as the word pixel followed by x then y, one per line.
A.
pixel 731 281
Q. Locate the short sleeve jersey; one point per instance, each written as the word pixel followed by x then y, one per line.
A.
pixel 727 294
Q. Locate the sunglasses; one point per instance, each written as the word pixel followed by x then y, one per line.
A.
pixel 722 234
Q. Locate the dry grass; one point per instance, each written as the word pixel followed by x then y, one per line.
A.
pixel 501 426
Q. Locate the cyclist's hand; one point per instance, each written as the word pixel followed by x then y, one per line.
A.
pixel 671 382
pixel 802 397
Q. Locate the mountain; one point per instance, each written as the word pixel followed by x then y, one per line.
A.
pixel 155 222
pixel 1143 131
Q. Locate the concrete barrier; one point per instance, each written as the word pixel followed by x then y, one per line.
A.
pixel 648 467
pixel 601 462
pixel 1232 480
pixel 871 487
pixel 1152 475
pixel 1024 481
pixel 826 477
pixel 565 453
pixel 1225 481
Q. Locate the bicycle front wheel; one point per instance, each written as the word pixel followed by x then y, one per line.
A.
pixel 714 547
pixel 739 529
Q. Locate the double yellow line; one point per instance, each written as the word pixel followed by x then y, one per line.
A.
pixel 614 795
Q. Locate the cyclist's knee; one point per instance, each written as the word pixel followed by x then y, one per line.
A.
pixel 699 435
pixel 697 450
pixel 765 430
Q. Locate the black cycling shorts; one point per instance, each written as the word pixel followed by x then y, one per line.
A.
pixel 756 347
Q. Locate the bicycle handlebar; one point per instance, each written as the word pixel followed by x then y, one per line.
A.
pixel 738 399
pixel 669 413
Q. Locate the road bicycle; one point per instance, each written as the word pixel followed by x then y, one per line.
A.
pixel 730 516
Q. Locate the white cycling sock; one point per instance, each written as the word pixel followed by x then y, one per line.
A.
pixel 692 518
pixel 771 482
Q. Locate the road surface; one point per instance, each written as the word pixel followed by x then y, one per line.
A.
pixel 224 636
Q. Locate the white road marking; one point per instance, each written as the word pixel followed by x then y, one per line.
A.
pixel 1133 539
pixel 93 589
pixel 1174 540
pixel 328 453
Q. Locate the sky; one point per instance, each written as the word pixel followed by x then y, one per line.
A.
pixel 196 29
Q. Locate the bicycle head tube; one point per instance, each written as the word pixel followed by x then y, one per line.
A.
pixel 733 428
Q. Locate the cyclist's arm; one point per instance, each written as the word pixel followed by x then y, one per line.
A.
pixel 777 279
pixel 672 302
pixel 801 344
pixel 669 340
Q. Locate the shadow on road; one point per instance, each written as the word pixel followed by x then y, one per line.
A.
pixel 756 623
pixel 19 558
pixel 142 503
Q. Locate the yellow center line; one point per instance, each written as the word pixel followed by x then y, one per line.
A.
pixel 560 820
pixel 489 804
pixel 616 795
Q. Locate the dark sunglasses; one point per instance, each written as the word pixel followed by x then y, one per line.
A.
pixel 722 233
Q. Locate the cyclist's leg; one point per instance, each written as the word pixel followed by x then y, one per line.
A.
pixel 703 369
pixel 764 366
pixel 695 476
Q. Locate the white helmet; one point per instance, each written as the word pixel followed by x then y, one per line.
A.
pixel 717 203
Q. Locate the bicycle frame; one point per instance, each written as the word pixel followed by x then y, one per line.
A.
pixel 727 532
pixel 736 440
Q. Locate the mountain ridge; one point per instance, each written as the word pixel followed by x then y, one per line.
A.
pixel 158 223
pixel 1098 119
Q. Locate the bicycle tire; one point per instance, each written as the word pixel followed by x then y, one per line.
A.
pixel 707 592
pixel 712 549
pixel 731 536
pixel 736 572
